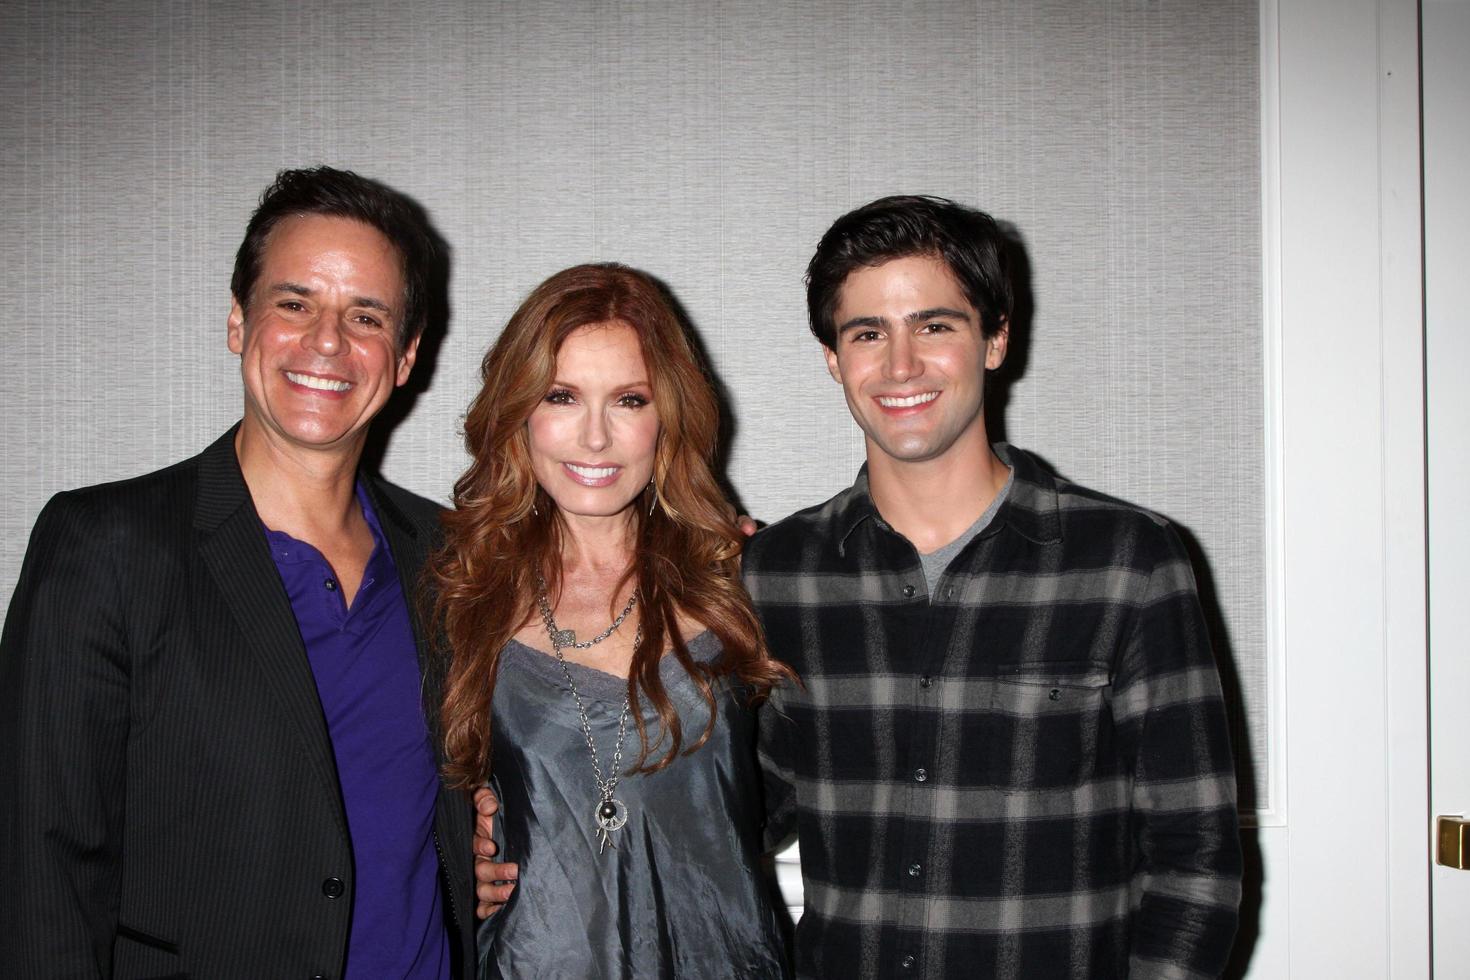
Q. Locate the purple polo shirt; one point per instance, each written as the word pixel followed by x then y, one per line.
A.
pixel 367 676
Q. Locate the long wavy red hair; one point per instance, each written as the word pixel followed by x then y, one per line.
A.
pixel 504 529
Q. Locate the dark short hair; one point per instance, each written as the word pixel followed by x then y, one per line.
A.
pixel 966 240
pixel 344 194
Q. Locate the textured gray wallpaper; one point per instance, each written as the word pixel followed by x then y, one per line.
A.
pixel 707 142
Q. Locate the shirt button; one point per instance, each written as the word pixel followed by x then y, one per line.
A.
pixel 330 585
pixel 907 962
pixel 1055 694
pixel 333 888
pixel 908 591
pixel 920 775
pixel 926 682
pixel 915 869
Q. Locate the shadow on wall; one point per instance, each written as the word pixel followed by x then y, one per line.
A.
pixel 401 404
pixel 997 396
pixel 725 438
pixel 1023 313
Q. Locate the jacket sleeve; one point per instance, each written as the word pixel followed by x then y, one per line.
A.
pixel 1171 718
pixel 64 723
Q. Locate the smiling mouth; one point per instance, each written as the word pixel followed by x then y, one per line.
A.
pixel 908 401
pixel 318 384
pixel 592 475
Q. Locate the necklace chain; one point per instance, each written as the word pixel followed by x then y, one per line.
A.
pixel 567 639
pixel 611 813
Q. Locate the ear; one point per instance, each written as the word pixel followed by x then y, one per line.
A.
pixel 834 367
pixel 235 327
pixel 995 345
pixel 406 360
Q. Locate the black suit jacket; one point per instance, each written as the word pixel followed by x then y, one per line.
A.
pixel 168 793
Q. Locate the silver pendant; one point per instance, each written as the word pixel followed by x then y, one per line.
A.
pixel 610 815
pixel 564 638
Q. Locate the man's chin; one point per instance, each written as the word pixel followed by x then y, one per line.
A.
pixel 310 434
pixel 908 450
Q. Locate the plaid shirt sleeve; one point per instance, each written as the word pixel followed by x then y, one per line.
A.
pixel 777 776
pixel 1171 722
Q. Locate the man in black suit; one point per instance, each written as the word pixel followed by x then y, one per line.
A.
pixel 215 693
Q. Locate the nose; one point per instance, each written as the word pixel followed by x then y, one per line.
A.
pixel 324 336
pixel 901 364
pixel 595 434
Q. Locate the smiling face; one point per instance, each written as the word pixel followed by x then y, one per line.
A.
pixel 318 342
pixel 593 436
pixel 911 360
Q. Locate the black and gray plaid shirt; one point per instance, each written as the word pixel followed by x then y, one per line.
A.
pixel 1026 773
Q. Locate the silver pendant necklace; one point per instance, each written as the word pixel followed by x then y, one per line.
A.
pixel 611 813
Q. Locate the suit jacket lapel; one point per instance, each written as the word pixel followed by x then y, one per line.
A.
pixel 235 550
pixel 410 547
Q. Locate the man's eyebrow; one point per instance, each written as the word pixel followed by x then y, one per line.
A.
pixel 933 313
pixel 937 313
pixel 860 321
pixel 372 304
pixel 296 289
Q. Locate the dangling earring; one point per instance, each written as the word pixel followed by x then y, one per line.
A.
pixel 653 504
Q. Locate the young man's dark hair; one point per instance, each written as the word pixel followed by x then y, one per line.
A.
pixel 968 241
pixel 344 194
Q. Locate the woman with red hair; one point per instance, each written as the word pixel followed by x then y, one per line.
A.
pixel 605 658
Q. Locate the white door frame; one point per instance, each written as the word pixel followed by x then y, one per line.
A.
pixel 1446 85
pixel 1345 845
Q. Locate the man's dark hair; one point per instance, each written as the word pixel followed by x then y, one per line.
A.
pixel 966 240
pixel 344 194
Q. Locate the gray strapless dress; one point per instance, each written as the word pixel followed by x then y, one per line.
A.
pixel 682 894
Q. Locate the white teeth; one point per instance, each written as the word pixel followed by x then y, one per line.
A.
pixel 593 472
pixel 910 401
pixel 320 384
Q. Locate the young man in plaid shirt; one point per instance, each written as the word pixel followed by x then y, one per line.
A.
pixel 1009 757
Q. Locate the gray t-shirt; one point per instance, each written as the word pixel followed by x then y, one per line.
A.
pixel 935 562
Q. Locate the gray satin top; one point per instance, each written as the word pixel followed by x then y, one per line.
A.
pixel 682 894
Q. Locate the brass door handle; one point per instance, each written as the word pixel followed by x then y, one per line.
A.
pixel 1454 842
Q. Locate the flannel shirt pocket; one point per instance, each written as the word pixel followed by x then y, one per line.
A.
pixel 1051 725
